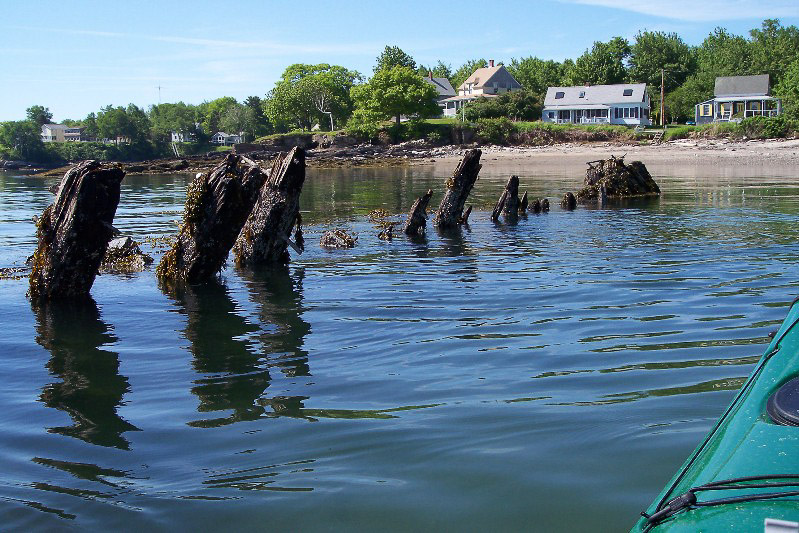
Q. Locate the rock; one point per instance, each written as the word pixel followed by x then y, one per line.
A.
pixel 124 255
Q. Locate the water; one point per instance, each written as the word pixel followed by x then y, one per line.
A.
pixel 550 375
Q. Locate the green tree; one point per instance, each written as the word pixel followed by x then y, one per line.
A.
pixel 536 75
pixel 439 70
pixel 23 138
pixel 90 126
pixel 211 113
pixel 239 119
pixel 394 56
pixel 788 89
pixel 603 64
pixel 112 122
pixel 774 47
pixel 466 70
pixel 394 92
pixel 169 117
pixel 39 115
pixel 515 105
pixel 262 124
pixel 311 94
pixel 653 51
pixel 138 124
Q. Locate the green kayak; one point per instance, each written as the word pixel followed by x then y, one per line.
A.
pixel 744 476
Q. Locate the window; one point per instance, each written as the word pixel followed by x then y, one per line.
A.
pixel 551 114
pixel 645 112
pixel 616 112
pixel 706 110
pixel 559 94
pixel 628 92
pixel 635 112
pixel 582 94
pixel 626 112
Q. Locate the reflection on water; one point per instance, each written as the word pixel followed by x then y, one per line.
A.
pixel 91 388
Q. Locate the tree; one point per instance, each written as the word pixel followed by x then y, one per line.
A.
pixel 536 75
pixel 211 113
pixel 311 94
pixel 394 92
pixel 262 124
pixel 466 70
pixel 23 138
pixel 774 47
pixel 603 64
pixel 653 51
pixel 788 89
pixel 393 56
pixel 112 122
pixel 515 105
pixel 138 124
pixel 169 117
pixel 90 126
pixel 238 119
pixel 439 70
pixel 39 115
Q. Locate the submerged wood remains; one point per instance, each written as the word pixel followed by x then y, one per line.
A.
pixel 450 212
pixel 417 218
pixel 508 203
pixel 337 238
pixel 217 206
pixel 74 231
pixel 124 256
pixel 569 202
pixel 618 179
pixel 265 235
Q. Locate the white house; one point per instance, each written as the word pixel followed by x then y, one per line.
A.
pixel 226 139
pixel 488 82
pixel 738 97
pixel 59 133
pixel 183 137
pixel 623 103
pixel 443 87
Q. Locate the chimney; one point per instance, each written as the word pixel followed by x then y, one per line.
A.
pixel 491 63
pixel 430 74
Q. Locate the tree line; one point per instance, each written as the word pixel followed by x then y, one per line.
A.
pixel 330 97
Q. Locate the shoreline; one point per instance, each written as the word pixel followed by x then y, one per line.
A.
pixel 696 152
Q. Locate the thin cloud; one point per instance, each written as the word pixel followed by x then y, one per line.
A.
pixel 707 11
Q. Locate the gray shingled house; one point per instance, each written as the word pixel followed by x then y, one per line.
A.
pixel 623 103
pixel 488 82
pixel 739 97
pixel 443 88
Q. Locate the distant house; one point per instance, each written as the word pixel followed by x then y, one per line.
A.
pixel 183 137
pixel 226 139
pixel 623 103
pixel 443 87
pixel 738 97
pixel 59 133
pixel 486 82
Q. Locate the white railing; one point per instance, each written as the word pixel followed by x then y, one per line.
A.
pixel 760 113
pixel 594 120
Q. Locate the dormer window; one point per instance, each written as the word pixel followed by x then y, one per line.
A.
pixel 628 92
pixel 582 94
pixel 559 95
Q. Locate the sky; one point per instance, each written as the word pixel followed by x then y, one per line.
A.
pixel 78 56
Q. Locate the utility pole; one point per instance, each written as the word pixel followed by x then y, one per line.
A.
pixel 662 106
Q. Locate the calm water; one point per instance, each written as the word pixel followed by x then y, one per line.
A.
pixel 548 375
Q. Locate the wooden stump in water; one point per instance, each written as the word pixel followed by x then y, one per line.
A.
pixel 450 212
pixel 613 178
pixel 74 231
pixel 508 203
pixel 417 218
pixel 265 235
pixel 217 205
pixel 569 202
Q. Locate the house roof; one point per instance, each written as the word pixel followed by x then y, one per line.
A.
pixel 442 85
pixel 742 85
pixel 468 97
pixel 595 94
pixel 482 76
pixel 52 127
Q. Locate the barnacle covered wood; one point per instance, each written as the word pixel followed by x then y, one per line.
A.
pixel 337 238
pixel 124 256
pixel 417 218
pixel 265 236
pixel 620 180
pixel 74 231
pixel 217 205
pixel 450 211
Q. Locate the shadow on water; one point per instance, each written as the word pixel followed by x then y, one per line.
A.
pixel 91 389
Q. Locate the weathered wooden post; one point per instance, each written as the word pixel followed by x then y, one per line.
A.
pixel 217 205
pixel 569 202
pixel 450 212
pixel 508 203
pixel 74 231
pixel 612 178
pixel 417 218
pixel 265 235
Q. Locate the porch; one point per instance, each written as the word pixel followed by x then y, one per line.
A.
pixel 738 108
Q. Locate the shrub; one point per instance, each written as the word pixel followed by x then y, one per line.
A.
pixel 495 130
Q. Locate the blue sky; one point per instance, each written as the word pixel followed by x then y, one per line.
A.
pixel 75 57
